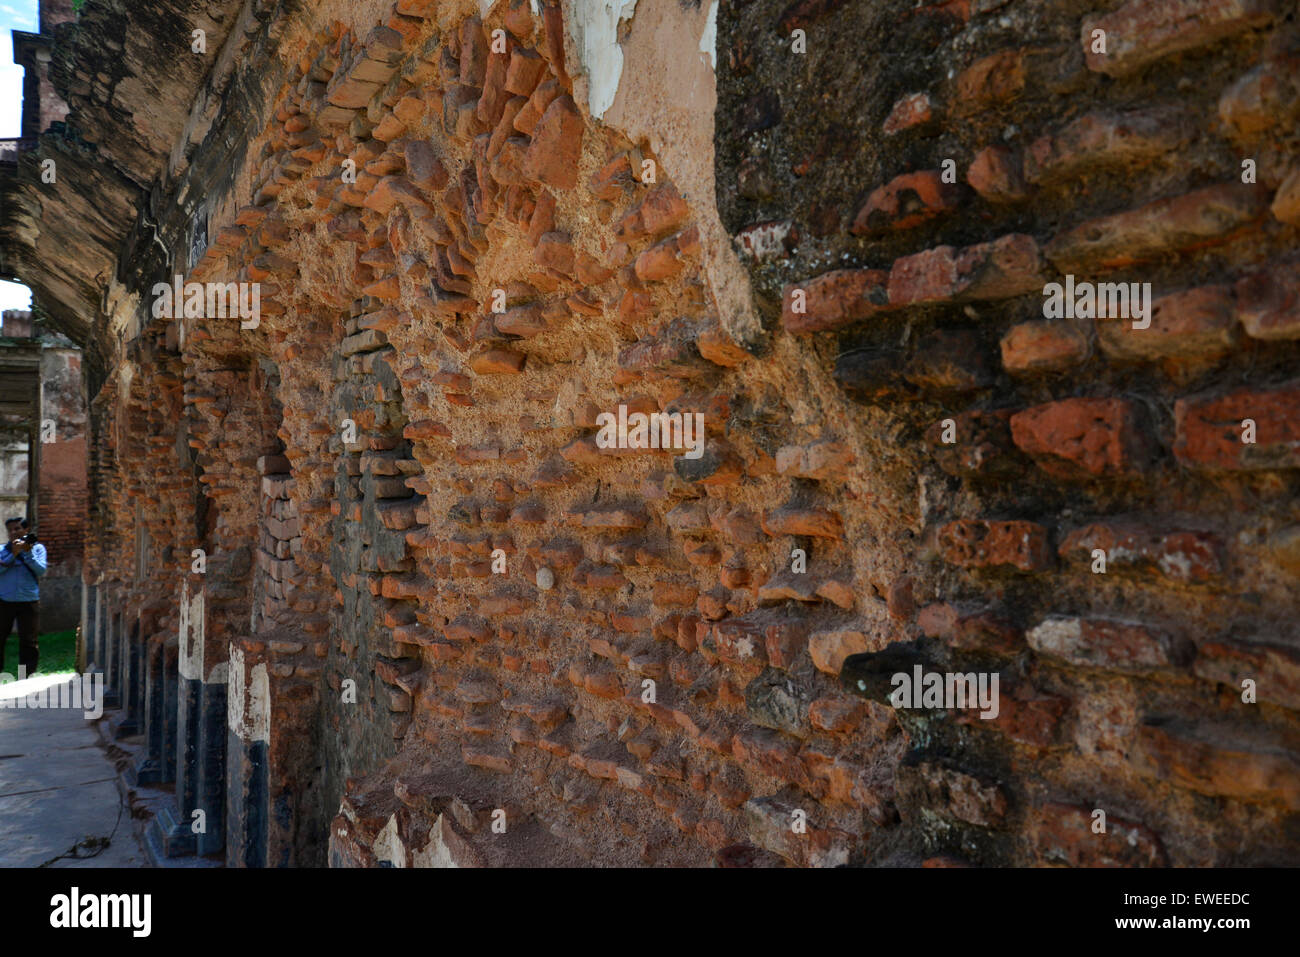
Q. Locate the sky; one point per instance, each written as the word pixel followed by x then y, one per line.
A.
pixel 14 15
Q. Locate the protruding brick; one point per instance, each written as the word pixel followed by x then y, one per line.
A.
pixel 1113 645
pixel 1082 438
pixel 552 158
pixel 1268 303
pixel 1143 31
pixel 986 543
pixel 1182 556
pixel 834 300
pixel 1104 138
pixel 1043 345
pixel 995 174
pixel 1005 267
pixel 906 201
pixel 1209 430
pixel 914 109
pixel 1274 668
pixel 818 522
pixel 1194 219
pixel 1193 324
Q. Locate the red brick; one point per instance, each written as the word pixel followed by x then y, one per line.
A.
pixel 1032 721
pixel 1274 668
pixel 1192 324
pixel 498 362
pixel 829 648
pixel 838 714
pixel 1183 556
pixel 996 175
pixel 817 522
pixel 1143 31
pixel 1265 97
pixel 661 211
pixel 1114 645
pixel 825 459
pixel 1104 138
pixel 525 71
pixel 1005 267
pixel 914 109
pixel 906 201
pixel 1286 202
pixel 1209 430
pixel 1043 345
pixel 528 118
pixel 1201 218
pixel 555 251
pixel 835 299
pixel 1082 438
pixel 1268 303
pixel 552 158
pixel 985 543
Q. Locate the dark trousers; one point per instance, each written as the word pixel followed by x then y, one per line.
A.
pixel 24 612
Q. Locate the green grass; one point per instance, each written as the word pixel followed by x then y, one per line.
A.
pixel 58 653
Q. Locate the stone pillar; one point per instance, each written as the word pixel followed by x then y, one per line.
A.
pixel 149 768
pixel 248 771
pixel 171 681
pixel 128 642
pixel 201 732
pixel 178 836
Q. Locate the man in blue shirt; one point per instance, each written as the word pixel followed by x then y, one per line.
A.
pixel 22 563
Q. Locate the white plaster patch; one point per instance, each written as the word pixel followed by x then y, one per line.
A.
pixel 764 240
pixel 248 707
pixel 235 695
pixel 190 662
pixel 596 21
pixel 1056 636
pixel 436 853
pixel 388 845
pixel 709 39
pixel 259 705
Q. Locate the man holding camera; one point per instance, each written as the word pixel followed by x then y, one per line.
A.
pixel 22 563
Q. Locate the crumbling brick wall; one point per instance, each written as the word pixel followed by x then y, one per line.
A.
pixel 435 605
pixel 1171 159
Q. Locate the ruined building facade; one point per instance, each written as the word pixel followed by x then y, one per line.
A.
pixel 372 592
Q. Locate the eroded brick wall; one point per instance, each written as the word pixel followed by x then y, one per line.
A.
pixel 1122 691
pixel 351 464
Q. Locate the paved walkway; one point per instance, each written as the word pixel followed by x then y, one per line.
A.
pixel 57 787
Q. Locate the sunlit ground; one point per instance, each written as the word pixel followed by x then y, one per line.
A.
pixel 38 682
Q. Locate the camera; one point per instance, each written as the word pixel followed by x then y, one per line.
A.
pixel 28 539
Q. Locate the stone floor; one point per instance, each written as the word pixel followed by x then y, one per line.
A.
pixel 58 788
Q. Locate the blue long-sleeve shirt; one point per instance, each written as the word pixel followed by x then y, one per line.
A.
pixel 15 582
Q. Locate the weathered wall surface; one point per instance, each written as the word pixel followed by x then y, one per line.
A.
pixel 400 593
pixel 1122 690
